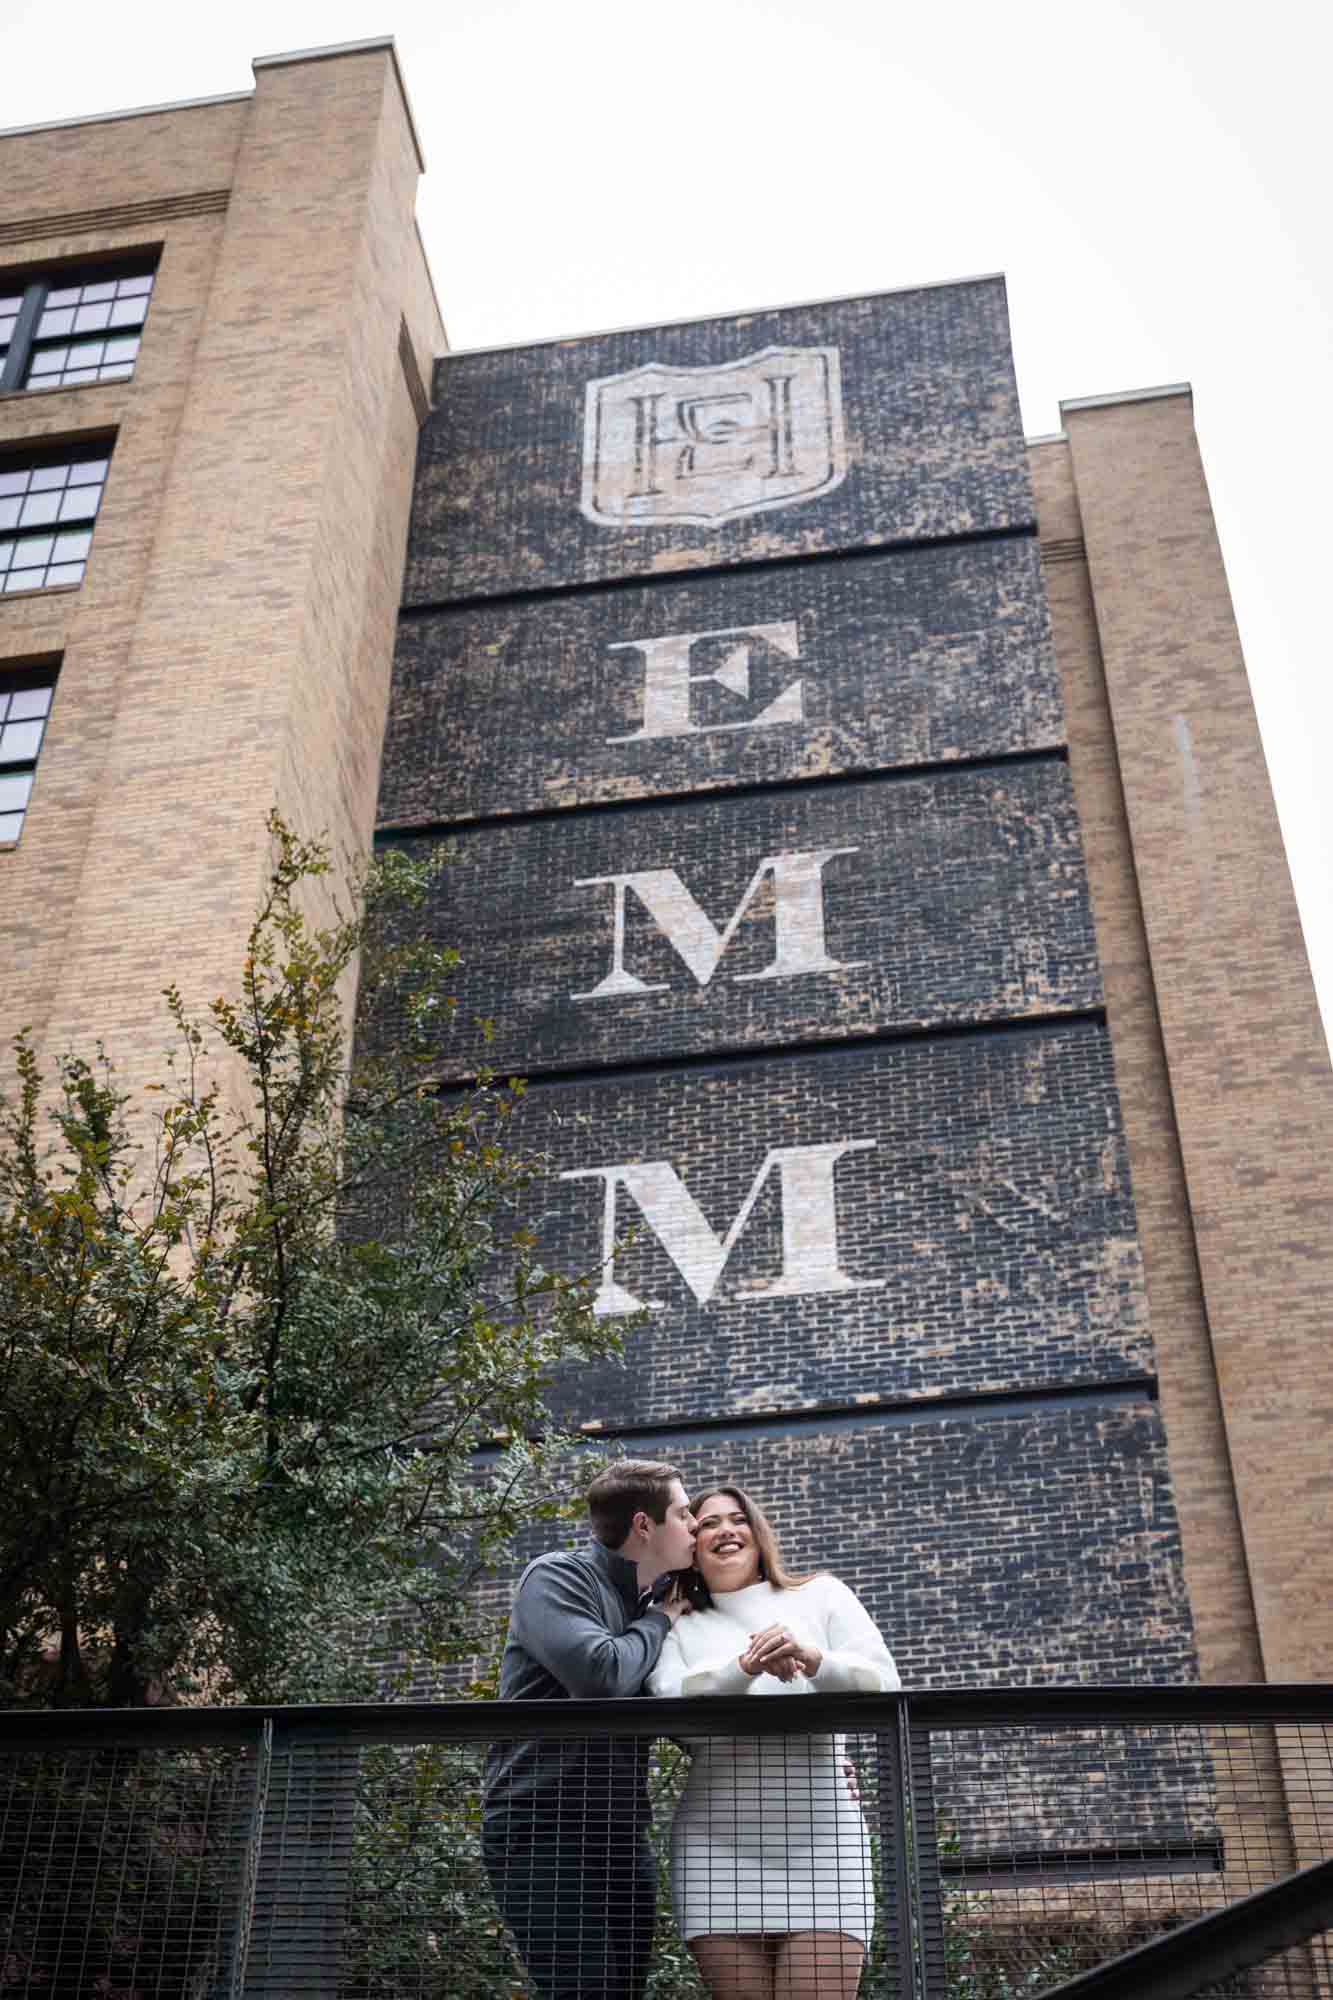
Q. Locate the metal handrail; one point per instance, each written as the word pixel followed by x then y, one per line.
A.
pixel 712 1715
pixel 1211 1948
pixel 320 1747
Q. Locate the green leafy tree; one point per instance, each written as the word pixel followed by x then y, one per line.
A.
pixel 247 1357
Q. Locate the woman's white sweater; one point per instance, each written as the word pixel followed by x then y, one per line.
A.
pixel 702 1652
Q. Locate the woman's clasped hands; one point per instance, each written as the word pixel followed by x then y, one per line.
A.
pixel 777 1651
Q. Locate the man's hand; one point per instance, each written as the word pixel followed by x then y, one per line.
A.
pixel 776 1651
pixel 676 1604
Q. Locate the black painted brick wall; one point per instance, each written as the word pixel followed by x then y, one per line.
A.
pixel 933 431
pixel 1019 1548
pixel 1023 1543
pixel 1025 1537
pixel 964 900
pixel 919 657
pixel 1005 1547
pixel 994 1204
pixel 1038 1546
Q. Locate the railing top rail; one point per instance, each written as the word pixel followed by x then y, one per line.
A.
pixel 1070 1707
pixel 1214 1947
pixel 450 1721
pixel 484 1721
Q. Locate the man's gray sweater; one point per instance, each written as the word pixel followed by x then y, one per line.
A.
pixel 579 1629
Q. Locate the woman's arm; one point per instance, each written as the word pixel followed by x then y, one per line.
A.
pixel 722 1674
pixel 856 1659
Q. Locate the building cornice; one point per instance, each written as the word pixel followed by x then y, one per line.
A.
pixel 136 111
pixel 325 54
pixel 1127 396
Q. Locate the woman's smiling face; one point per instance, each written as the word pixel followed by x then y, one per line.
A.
pixel 725 1553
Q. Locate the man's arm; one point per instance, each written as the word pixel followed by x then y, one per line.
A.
pixel 557 1617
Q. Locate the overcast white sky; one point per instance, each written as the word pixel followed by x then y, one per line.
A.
pixel 1154 179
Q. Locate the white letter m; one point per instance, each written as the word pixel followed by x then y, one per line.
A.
pixel 809 1227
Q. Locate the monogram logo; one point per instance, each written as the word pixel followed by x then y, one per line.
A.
pixel 663 446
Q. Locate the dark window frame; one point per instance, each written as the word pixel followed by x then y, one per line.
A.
pixel 41 538
pixel 17 678
pixel 33 287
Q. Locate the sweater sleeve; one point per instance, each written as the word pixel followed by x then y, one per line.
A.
pixel 856 1660
pixel 557 1618
pixel 719 1675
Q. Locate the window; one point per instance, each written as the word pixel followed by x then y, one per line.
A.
pixel 25 705
pixel 47 505
pixel 67 327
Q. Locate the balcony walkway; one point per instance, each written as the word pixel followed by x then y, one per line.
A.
pixel 1107 1843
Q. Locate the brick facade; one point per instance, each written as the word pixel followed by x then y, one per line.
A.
pixel 771 877
pixel 861 837
pixel 230 646
pixel 1217 1033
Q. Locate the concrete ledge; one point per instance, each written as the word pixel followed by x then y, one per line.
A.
pixel 1127 396
pixel 137 111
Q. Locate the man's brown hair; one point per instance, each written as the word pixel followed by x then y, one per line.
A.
pixel 631 1486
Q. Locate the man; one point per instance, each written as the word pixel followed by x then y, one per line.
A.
pixel 565 1820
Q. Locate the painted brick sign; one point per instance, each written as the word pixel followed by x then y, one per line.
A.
pixel 725 664
pixel 795 671
pixel 856 424
pixel 814 913
pixel 909 1220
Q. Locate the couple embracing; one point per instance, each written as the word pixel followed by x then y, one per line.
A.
pixel 770 1864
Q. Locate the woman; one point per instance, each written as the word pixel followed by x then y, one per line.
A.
pixel 770 1863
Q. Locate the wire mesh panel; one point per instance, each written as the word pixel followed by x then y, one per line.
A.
pixel 659 1851
pixel 666 1866
pixel 1294 1974
pixel 1065 1844
pixel 950 1846
pixel 121 1868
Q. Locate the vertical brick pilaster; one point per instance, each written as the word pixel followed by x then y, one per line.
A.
pixel 1245 1056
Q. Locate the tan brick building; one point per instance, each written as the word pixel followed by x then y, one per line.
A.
pixel 251 440
pixel 1221 1059
pixel 218 339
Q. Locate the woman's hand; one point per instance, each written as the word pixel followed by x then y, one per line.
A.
pixel 777 1651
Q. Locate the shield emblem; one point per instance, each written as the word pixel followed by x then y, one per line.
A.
pixel 669 446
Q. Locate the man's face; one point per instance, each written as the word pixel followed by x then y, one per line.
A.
pixel 671 1542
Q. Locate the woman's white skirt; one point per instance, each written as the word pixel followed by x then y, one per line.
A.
pixel 768 1837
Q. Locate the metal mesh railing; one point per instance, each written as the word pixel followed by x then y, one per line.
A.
pixel 1072 1828
pixel 952 1846
pixel 438 1859
pixel 121 1865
